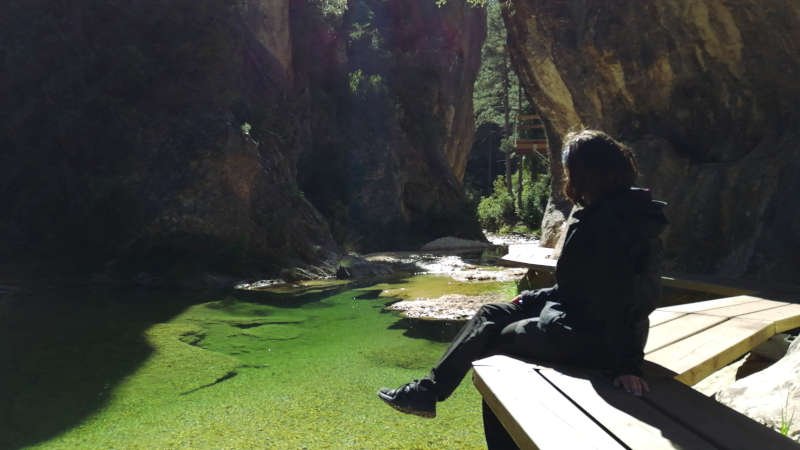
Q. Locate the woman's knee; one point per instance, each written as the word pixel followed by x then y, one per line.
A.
pixel 487 309
pixel 522 338
pixel 521 327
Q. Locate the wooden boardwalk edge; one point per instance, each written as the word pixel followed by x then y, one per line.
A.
pixel 535 257
pixel 696 339
pixel 553 408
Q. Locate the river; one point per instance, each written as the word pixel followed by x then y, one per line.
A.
pixel 294 367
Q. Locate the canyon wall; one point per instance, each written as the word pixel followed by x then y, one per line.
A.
pixel 185 136
pixel 153 136
pixel 705 92
pixel 391 120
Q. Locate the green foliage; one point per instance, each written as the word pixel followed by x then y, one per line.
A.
pixel 489 92
pixel 535 191
pixel 787 417
pixel 441 3
pixel 361 83
pixel 355 79
pixel 333 8
pixel 497 209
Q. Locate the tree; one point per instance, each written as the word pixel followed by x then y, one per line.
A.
pixel 493 102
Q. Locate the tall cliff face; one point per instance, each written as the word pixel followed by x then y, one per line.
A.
pixel 155 136
pixel 185 136
pixel 391 89
pixel 705 93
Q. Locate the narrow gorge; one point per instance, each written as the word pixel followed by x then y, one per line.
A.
pixel 244 138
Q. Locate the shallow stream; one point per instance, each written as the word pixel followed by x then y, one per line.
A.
pixel 296 368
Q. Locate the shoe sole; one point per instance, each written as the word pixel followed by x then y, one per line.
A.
pixel 416 412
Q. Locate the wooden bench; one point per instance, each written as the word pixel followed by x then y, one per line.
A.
pixel 552 408
pixel 544 407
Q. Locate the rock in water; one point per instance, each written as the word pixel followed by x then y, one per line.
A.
pixel 447 307
pixel 771 396
pixel 454 243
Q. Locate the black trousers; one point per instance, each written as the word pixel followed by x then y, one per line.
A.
pixel 503 328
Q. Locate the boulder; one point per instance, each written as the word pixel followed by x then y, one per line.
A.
pixel 771 396
pixel 450 243
pixel 353 266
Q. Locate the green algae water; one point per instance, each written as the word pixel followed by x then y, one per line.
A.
pixel 291 370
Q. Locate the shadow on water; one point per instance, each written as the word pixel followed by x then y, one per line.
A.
pixel 370 294
pixel 433 330
pixel 65 351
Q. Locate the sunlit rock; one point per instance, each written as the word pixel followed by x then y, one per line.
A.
pixel 446 307
pixel 454 243
pixel 771 396
pixel 706 93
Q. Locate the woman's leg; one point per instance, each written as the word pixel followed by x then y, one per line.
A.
pixel 556 344
pixel 475 340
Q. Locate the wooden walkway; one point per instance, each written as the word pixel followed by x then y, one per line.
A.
pixel 535 257
pixel 696 339
pixel 554 408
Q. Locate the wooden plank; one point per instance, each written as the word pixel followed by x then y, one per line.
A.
pixel 530 255
pixel 659 317
pixel 723 426
pixel 680 328
pixel 555 409
pixel 699 355
pixel 784 318
pixel 534 413
pixel 633 421
pixel 693 283
pixel 711 304
pixel 744 308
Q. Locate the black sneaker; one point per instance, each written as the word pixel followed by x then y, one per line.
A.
pixel 411 398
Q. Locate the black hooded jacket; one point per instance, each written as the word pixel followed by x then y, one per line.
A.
pixel 608 278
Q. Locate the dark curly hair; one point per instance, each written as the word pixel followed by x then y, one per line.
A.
pixel 595 164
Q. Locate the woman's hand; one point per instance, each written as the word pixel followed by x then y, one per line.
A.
pixel 632 383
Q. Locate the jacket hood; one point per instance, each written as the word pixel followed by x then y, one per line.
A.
pixel 634 206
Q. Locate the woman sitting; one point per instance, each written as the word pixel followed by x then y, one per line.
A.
pixel 608 282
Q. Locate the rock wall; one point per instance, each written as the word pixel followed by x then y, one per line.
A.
pixel 185 136
pixel 392 121
pixel 706 94
pixel 153 136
